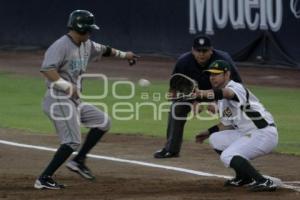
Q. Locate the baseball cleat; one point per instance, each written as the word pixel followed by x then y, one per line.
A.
pixel 163 153
pixel 81 169
pixel 266 185
pixel 46 182
pixel 237 182
pixel 251 184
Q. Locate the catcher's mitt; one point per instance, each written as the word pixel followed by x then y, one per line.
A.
pixel 182 87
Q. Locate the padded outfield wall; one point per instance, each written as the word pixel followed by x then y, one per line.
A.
pixel 265 31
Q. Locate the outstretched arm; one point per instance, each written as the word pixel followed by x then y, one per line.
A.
pixel 215 94
pixel 130 56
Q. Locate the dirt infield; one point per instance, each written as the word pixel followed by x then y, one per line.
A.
pixel 115 180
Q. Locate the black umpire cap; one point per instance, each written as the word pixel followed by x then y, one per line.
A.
pixel 202 42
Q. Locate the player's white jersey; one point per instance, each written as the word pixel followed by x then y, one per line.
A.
pixel 69 59
pixel 244 112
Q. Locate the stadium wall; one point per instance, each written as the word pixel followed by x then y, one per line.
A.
pixel 265 31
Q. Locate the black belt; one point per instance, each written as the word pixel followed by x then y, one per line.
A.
pixel 272 124
pixel 266 125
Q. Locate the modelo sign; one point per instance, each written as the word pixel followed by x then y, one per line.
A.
pixel 206 15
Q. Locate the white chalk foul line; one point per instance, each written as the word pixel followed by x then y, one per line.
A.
pixel 293 182
pixel 178 169
pixel 119 160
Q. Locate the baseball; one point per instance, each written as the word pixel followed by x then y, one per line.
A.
pixel 144 82
pixel 259 57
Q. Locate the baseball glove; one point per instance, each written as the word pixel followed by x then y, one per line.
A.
pixel 182 87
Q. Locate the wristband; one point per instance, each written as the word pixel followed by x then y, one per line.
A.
pixel 107 51
pixel 218 93
pixel 120 54
pixel 213 129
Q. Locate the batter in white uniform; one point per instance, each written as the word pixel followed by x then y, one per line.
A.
pixel 246 131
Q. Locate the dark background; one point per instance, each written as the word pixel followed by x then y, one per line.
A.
pixel 144 26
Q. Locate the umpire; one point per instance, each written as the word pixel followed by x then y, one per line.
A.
pixel 192 64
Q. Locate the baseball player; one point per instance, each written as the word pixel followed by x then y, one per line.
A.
pixel 192 64
pixel 246 131
pixel 65 60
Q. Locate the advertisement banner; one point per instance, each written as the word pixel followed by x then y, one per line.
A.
pixel 264 31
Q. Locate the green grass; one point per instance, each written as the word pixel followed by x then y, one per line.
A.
pixel 21 98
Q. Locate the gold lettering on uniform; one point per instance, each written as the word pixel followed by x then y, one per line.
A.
pixel 227 112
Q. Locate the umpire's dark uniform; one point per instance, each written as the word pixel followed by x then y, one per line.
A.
pixel 188 65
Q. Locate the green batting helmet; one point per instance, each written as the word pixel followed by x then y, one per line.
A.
pixel 82 21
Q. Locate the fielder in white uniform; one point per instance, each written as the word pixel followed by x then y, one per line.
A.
pixel 246 131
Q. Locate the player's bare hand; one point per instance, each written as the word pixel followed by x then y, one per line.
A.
pixel 198 93
pixel 131 57
pixel 202 136
pixel 212 108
